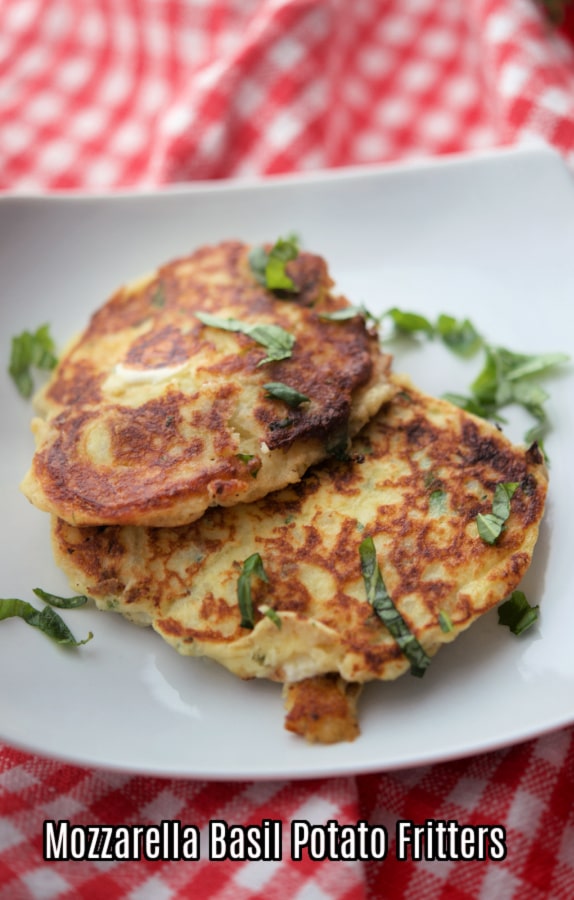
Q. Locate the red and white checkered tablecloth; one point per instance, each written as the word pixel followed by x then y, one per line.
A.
pixel 101 94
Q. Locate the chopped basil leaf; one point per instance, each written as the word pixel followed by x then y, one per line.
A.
pixel 281 423
pixel 491 525
pixel 278 342
pixel 46 620
pixel 248 458
pixel 258 261
pixel 459 335
pixel 485 384
pixel 409 322
pixel 379 598
pixel 503 494
pixel 516 613
pixel 338 445
pixel 289 395
pixel 346 313
pixel 506 377
pixel 158 296
pixel 438 503
pixel 528 394
pixel 253 565
pixel 536 434
pixel 276 277
pixel 445 622
pixel 273 615
pixel 31 350
pixel 269 267
pixel 431 481
pixel 61 602
pixel 519 365
pixel 471 405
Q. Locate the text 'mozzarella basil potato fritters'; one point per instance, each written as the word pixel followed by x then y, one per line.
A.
pixel 153 416
pixel 419 475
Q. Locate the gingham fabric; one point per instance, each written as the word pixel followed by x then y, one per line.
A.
pixel 528 790
pixel 100 94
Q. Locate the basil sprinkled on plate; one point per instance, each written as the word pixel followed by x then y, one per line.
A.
pixel 61 602
pixel 506 377
pixel 253 566
pixel 289 395
pixel 278 342
pixel 410 322
pixel 459 335
pixel 346 313
pixel 46 620
pixel 268 267
pixel 380 600
pixel 31 350
pixel 516 613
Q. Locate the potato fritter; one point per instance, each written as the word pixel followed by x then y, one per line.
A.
pixel 152 415
pixel 419 475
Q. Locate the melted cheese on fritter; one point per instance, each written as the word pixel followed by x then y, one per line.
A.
pixel 152 416
pixel 420 473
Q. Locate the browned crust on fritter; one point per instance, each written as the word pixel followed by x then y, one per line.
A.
pixel 166 458
pixel 322 709
pixel 184 581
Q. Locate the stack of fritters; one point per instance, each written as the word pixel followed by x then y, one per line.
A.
pixel 167 465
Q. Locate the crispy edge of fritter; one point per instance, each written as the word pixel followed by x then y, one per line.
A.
pixel 291 462
pixel 322 709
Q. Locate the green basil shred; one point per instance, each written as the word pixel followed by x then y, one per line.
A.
pixel 158 297
pixel 274 616
pixel 438 503
pixel 278 342
pixel 380 600
pixel 289 395
pixel 31 350
pixel 46 620
pixel 253 566
pixel 506 377
pixel 61 602
pixel 516 613
pixel 491 525
pixel 445 621
pixel 346 313
pixel 268 267
pixel 409 322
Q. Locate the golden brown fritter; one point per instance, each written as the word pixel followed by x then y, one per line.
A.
pixel 322 709
pixel 152 416
pixel 420 474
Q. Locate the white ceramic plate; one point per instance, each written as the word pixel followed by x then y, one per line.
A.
pixel 491 237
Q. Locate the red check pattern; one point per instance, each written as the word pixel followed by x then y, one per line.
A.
pixel 96 94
